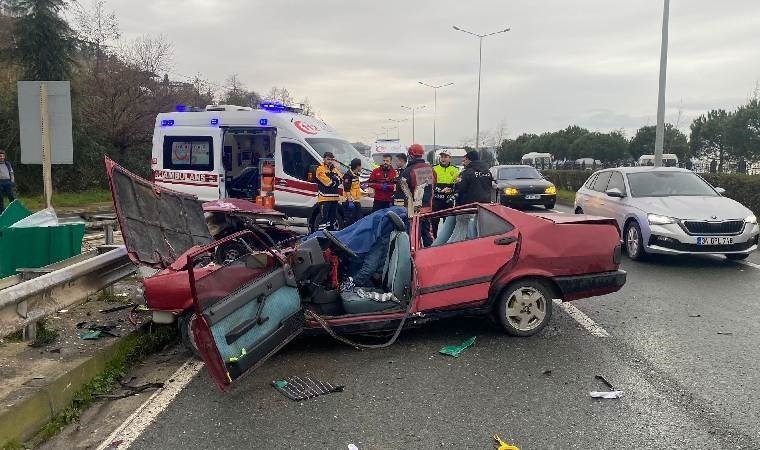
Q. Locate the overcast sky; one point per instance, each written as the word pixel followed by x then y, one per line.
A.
pixel 592 63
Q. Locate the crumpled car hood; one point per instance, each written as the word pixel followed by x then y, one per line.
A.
pixel 158 225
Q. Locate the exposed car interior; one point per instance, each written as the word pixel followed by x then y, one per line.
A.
pixel 467 225
pixel 243 149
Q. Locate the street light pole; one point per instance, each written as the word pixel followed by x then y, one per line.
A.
pixel 659 139
pixel 480 69
pixel 435 103
pixel 396 123
pixel 413 109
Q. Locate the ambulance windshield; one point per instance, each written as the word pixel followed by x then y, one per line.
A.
pixel 344 152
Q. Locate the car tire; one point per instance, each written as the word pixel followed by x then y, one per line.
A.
pixel 737 256
pixel 579 210
pixel 550 205
pixel 230 251
pixel 185 323
pixel 525 307
pixel 634 243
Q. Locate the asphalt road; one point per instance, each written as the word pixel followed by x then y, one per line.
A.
pixel 683 347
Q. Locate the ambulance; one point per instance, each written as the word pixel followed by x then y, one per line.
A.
pixel 384 147
pixel 270 152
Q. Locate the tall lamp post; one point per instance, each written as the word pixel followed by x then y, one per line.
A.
pixel 659 139
pixel 413 109
pixel 480 69
pixel 435 103
pixel 396 123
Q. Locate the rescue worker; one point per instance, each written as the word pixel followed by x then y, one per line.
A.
pixel 475 183
pixel 352 208
pixel 383 182
pixel 399 199
pixel 420 179
pixel 443 194
pixel 328 184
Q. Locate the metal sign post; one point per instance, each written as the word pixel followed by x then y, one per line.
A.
pixel 660 130
pixel 47 175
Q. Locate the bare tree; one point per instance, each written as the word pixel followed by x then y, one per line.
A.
pixel 97 28
pixel 151 54
pixel 307 109
pixel 281 95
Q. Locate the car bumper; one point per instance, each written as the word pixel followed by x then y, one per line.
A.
pixel 582 286
pixel 543 199
pixel 672 240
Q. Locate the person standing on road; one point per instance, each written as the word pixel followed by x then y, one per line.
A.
pixel 7 181
pixel 328 185
pixel 383 182
pixel 443 194
pixel 401 162
pixel 420 179
pixel 352 210
pixel 475 183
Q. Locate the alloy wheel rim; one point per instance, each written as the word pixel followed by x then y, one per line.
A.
pixel 633 241
pixel 526 308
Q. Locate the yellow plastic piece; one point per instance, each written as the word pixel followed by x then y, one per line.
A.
pixel 503 445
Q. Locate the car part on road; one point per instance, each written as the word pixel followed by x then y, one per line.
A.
pixel 634 244
pixel 456 350
pixel 185 323
pixel 298 389
pixel 606 394
pixel 525 307
pixel 579 210
pixel 604 380
pixel 503 445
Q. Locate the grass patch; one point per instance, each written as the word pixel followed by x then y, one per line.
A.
pixel 133 350
pixel 45 336
pixel 564 196
pixel 67 199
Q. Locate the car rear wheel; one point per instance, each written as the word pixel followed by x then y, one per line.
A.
pixel 525 307
pixel 737 256
pixel 634 243
pixel 579 210
pixel 550 205
pixel 185 323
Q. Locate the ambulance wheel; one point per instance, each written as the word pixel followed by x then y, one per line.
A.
pixel 185 323
pixel 525 307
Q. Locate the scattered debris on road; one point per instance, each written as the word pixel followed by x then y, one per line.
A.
pixel 503 445
pixel 95 331
pixel 725 333
pixel 612 393
pixel 456 350
pixel 695 315
pixel 298 389
pixel 547 372
pixel 128 390
pixel 117 308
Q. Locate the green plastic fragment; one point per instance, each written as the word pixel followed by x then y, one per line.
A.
pixel 455 350
pixel 91 335
pixel 236 358
pixel 280 383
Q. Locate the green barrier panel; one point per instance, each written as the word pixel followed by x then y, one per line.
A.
pixel 13 213
pixel 35 246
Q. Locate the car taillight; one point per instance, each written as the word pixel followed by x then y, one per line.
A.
pixel 617 255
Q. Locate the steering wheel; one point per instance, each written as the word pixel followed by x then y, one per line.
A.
pixel 341 246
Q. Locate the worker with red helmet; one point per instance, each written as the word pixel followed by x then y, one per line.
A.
pixel 420 178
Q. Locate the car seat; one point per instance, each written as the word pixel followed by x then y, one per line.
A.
pixel 445 231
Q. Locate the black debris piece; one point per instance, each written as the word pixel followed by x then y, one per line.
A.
pixel 298 389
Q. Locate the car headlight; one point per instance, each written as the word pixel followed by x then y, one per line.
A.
pixel 656 219
pixel 511 191
pixel 751 219
pixel 551 190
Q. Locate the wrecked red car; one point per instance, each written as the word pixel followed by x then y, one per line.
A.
pixel 486 260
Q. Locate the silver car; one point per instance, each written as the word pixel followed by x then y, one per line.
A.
pixel 669 210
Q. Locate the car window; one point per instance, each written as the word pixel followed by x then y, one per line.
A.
pixel 590 182
pixel 663 184
pixel 601 181
pixel 490 224
pixel 296 160
pixel 616 182
pixel 189 153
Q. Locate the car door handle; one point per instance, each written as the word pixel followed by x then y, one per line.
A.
pixel 505 240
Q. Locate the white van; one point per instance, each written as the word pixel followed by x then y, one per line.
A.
pixel 457 156
pixel 668 160
pixel 537 160
pixel 214 153
pixel 383 147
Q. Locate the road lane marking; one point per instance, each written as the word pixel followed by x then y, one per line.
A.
pixel 750 264
pixel 136 423
pixel 584 320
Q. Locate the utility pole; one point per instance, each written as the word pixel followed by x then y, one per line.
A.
pixel 659 139
pixel 480 70
pixel 413 109
pixel 435 107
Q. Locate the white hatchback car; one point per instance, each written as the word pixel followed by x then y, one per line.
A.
pixel 669 210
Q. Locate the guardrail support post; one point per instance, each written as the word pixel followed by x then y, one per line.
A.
pixel 29 332
pixel 108 230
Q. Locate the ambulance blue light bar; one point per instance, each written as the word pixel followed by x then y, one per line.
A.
pixel 263 122
pixel 214 122
pixel 181 108
pixel 273 107
pixel 167 123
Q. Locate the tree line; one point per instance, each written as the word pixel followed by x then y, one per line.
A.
pixel 725 137
pixel 117 87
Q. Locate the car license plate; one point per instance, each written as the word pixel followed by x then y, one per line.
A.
pixel 532 197
pixel 715 240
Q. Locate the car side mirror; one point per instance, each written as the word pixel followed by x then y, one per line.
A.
pixel 615 192
pixel 720 190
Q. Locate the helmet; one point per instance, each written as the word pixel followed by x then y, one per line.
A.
pixel 416 151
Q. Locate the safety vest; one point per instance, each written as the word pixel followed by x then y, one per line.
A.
pixel 328 183
pixel 446 175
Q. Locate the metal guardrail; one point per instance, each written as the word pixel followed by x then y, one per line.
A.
pixel 24 301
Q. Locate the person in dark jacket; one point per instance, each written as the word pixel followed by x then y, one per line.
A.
pixel 7 181
pixel 420 178
pixel 475 183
